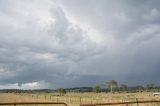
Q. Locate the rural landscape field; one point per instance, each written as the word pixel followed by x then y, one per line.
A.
pixel 79 52
pixel 75 99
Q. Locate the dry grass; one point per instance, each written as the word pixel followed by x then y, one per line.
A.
pixel 8 97
pixel 75 99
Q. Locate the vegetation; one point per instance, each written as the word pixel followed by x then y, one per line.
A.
pixel 112 84
pixel 74 99
pixel 150 86
pixel 123 87
pixel 97 89
pixel 80 95
pixel 62 91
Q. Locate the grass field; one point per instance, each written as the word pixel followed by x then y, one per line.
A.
pixel 75 99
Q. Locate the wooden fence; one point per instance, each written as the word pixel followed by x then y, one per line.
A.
pixel 34 103
pixel 126 103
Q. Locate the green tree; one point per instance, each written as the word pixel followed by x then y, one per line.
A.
pixel 97 89
pixel 112 84
pixel 62 91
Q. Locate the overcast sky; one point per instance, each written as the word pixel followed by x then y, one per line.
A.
pixel 73 43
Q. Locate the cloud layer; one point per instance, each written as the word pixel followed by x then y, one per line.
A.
pixel 52 44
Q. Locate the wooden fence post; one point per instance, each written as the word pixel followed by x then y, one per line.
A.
pixel 80 100
pixel 137 101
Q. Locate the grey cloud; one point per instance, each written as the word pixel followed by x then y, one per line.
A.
pixel 78 43
pixel 123 16
pixel 30 53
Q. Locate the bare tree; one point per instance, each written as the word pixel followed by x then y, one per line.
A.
pixel 112 84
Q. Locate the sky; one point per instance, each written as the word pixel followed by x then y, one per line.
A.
pixel 47 44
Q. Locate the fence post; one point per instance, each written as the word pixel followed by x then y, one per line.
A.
pixel 80 100
pixel 137 101
pixel 57 98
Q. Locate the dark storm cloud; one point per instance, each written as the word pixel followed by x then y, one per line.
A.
pixel 78 43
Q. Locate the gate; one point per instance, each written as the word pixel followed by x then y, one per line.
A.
pixel 34 103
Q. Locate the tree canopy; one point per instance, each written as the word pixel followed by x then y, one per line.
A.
pixel 97 89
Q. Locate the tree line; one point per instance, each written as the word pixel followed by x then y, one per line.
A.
pixel 109 86
pixel 113 87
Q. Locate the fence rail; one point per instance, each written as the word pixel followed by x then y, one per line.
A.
pixel 34 103
pixel 119 103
